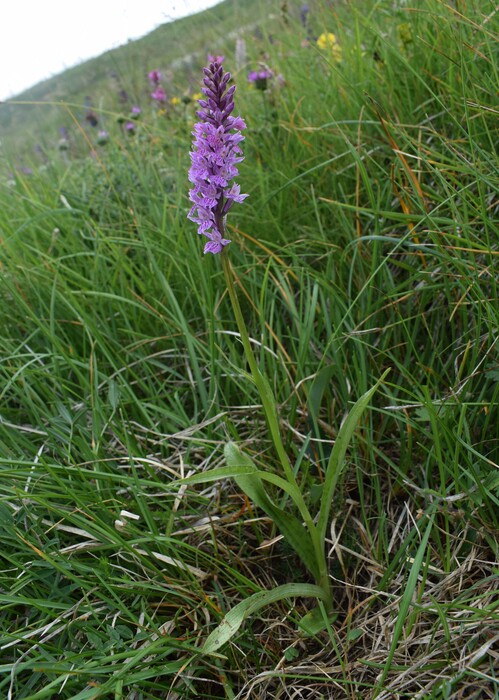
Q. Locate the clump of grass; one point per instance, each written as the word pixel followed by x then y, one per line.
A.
pixel 369 242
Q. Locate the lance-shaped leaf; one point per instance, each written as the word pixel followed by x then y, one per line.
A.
pixel 251 482
pixel 337 458
pixel 235 617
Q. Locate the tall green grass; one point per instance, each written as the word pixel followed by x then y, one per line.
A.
pixel 369 241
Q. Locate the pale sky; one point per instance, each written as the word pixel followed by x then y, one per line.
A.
pixel 40 38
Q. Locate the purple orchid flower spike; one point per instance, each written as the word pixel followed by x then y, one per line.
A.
pixel 216 153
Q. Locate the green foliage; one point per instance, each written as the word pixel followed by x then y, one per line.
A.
pixel 369 242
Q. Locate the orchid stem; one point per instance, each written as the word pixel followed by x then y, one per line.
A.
pixel 270 409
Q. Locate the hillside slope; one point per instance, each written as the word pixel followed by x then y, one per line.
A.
pixel 36 114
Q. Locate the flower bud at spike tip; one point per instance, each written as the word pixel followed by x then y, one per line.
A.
pixel 214 157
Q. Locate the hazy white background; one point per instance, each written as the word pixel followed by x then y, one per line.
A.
pixel 40 38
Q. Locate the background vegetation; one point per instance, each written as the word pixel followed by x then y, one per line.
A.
pixel 369 241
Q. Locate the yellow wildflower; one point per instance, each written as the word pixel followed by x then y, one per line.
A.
pixel 328 41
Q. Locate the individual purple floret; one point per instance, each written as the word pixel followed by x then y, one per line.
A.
pixel 215 156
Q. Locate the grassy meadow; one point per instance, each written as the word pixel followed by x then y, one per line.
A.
pixel 369 242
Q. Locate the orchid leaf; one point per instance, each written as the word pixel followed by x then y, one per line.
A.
pixel 315 621
pixel 239 613
pixel 250 480
pixel 337 458
pixel 216 475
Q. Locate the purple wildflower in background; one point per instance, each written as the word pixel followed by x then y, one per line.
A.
pixel 102 137
pixel 304 10
pixel 159 94
pixel 154 77
pixel 90 115
pixel 214 158
pixel 259 78
pixel 135 112
pixel 103 134
pixel 91 118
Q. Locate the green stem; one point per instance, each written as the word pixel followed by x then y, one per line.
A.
pixel 269 407
pixel 261 383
